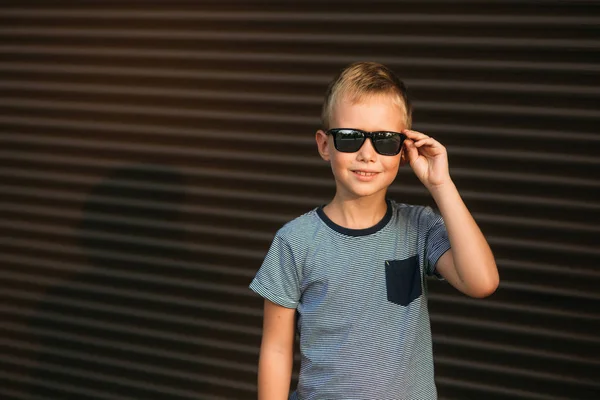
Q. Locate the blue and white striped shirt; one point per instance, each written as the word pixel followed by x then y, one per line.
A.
pixel 361 300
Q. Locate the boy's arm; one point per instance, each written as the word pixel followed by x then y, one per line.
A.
pixel 276 352
pixel 469 266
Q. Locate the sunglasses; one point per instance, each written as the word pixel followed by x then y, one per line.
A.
pixel 347 140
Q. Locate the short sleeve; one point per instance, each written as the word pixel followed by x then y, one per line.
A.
pixel 436 241
pixel 277 279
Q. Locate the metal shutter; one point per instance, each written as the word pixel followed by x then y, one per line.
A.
pixel 150 150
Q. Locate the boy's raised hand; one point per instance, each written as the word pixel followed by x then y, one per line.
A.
pixel 427 157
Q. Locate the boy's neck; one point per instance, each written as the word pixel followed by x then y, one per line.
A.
pixel 356 213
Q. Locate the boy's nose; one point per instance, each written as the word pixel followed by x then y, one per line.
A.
pixel 367 151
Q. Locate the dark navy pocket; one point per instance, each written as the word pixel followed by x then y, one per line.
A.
pixel 403 280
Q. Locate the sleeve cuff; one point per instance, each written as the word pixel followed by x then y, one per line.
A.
pixel 258 288
pixel 438 252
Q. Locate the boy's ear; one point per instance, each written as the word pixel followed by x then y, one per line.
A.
pixel 403 156
pixel 322 144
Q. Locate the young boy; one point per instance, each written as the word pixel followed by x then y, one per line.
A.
pixel 354 270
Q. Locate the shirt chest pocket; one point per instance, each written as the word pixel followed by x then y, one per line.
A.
pixel 403 280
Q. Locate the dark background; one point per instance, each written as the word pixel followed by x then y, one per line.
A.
pixel 150 150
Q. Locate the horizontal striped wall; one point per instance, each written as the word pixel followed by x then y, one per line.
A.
pixel 150 150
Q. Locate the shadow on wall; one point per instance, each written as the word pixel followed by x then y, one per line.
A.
pixel 102 334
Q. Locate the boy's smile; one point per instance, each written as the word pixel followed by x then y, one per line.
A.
pixel 364 172
pixel 365 175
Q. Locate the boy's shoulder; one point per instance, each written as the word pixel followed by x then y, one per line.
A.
pixel 301 225
pixel 410 209
pixel 413 214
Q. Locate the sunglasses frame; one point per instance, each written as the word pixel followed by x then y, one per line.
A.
pixel 366 135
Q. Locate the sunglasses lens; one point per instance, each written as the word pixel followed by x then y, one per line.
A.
pixel 351 140
pixel 348 140
pixel 388 143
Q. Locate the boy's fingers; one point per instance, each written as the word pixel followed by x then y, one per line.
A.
pixel 429 141
pixel 414 135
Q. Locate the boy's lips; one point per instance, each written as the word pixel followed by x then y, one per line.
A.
pixel 364 175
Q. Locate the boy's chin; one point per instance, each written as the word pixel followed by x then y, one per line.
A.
pixel 355 193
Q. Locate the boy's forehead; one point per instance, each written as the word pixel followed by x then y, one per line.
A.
pixel 379 111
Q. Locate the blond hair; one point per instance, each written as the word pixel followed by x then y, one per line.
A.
pixel 363 79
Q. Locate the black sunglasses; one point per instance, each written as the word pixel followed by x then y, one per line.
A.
pixel 349 140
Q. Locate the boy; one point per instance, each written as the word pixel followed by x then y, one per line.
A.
pixel 354 270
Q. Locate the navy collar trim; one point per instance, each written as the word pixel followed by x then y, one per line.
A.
pixel 357 232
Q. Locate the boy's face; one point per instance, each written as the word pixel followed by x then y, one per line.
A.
pixel 365 172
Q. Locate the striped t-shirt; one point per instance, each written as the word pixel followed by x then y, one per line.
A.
pixel 360 296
